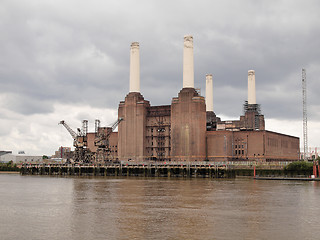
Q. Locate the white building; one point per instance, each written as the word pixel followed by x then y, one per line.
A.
pixel 7 156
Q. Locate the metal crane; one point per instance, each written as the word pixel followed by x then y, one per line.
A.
pixel 103 153
pixel 81 153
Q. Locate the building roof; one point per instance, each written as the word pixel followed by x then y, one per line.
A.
pixel 5 152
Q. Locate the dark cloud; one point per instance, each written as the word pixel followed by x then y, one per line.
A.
pixel 26 105
pixel 77 52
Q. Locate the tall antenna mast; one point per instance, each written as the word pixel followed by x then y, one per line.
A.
pixel 305 115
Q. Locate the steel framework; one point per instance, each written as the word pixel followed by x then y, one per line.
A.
pixel 102 135
pixel 81 153
pixel 305 115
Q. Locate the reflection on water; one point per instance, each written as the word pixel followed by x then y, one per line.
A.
pixel 157 208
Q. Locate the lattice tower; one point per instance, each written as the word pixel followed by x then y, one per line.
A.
pixel 305 115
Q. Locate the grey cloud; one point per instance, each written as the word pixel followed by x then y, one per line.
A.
pixel 56 53
pixel 26 105
pixel 74 53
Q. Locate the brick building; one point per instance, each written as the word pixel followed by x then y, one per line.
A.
pixel 189 130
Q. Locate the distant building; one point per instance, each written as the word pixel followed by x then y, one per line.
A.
pixel 5 152
pixel 63 152
pixel 7 156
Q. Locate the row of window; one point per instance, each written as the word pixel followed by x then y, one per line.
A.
pixel 239 152
pixel 239 146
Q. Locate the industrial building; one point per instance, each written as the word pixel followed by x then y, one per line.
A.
pixel 7 156
pixel 63 152
pixel 188 129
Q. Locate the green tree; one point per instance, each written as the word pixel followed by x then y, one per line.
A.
pixel 299 168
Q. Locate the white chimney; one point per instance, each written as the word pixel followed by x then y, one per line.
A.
pixel 209 93
pixel 251 87
pixel 188 70
pixel 134 67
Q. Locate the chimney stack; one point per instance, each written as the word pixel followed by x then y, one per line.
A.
pixel 188 69
pixel 251 87
pixel 209 93
pixel 134 68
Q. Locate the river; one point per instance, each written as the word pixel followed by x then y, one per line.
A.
pixel 44 207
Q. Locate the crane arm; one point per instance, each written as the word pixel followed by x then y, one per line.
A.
pixel 72 133
pixel 114 125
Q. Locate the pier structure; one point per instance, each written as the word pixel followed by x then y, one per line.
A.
pixel 178 169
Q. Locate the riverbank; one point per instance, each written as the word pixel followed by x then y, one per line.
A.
pixel 287 178
pixel 9 167
pixel 9 172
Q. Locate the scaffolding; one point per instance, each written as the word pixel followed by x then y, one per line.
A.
pixel 159 133
pixel 256 110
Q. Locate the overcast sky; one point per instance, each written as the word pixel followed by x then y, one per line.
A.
pixel 69 60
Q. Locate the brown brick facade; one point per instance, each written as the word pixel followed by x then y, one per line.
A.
pixel 188 126
pixel 180 132
pixel 251 145
pixel 132 142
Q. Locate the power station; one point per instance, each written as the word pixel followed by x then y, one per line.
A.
pixel 188 129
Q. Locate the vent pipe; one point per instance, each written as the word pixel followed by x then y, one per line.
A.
pixel 188 68
pixel 209 93
pixel 134 67
pixel 251 87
